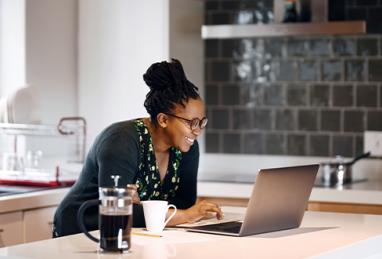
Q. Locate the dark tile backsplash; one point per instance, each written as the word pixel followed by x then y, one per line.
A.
pixel 303 96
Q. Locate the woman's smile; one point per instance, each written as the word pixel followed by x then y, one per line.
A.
pixel 189 141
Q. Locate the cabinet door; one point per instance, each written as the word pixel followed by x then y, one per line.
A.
pixel 11 228
pixel 38 224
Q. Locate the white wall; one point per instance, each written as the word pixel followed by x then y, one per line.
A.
pixel 118 40
pixel 12 45
pixel 51 56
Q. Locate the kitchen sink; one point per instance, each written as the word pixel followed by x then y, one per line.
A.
pixel 6 190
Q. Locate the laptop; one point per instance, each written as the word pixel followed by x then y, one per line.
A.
pixel 278 202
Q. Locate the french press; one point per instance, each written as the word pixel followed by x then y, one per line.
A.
pixel 115 217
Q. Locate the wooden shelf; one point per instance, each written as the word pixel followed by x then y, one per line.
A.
pixel 283 29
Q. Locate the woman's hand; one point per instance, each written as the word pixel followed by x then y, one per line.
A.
pixel 203 210
pixel 133 189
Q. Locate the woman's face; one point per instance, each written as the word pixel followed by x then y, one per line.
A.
pixel 179 131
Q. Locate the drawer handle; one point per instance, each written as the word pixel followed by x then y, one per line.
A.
pixel 1 230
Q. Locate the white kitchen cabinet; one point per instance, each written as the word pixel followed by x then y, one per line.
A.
pixel 11 228
pixel 38 224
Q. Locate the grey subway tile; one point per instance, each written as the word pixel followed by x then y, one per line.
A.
pixel 229 5
pixel 342 146
pixel 342 95
pixel 367 47
pixel 211 48
pixel 275 144
pixel 274 47
pixel 330 120
pixel 220 119
pixel 367 96
pixel 355 70
pixel 286 119
pixel 244 17
pixel 286 70
pixel 262 119
pixel 359 145
pixel 241 119
pixel 319 95
pixel 332 70
pixel 264 70
pixel 319 47
pixel 212 94
pixel 318 145
pixel 296 144
pixel 375 70
pixel 211 5
pixel 220 71
pixel 228 47
pixel 307 120
pixel 374 120
pixel 308 70
pixel 212 142
pixel 254 143
pixel 297 95
pixel 230 94
pixel 344 47
pixel 244 71
pixel 296 47
pixel 220 17
pixel 231 143
pixel 274 94
pixel 251 95
pixel 354 121
pixel 238 48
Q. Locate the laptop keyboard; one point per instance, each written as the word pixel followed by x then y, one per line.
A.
pixel 230 227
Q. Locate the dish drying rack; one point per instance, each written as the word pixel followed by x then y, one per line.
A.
pixel 57 174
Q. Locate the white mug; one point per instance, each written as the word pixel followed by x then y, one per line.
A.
pixel 155 214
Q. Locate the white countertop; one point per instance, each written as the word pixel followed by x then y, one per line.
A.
pixel 361 193
pixel 321 235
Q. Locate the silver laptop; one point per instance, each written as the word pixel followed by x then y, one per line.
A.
pixel 278 202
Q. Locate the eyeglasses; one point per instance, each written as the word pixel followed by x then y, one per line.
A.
pixel 194 123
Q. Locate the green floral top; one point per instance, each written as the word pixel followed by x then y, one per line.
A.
pixel 148 180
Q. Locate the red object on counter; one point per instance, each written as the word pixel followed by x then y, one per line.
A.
pixel 37 183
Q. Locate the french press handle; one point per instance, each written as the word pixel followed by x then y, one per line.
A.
pixel 80 218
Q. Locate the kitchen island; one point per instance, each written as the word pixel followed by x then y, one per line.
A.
pixel 28 216
pixel 321 235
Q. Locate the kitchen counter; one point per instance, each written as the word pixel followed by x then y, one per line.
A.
pixel 361 193
pixel 365 192
pixel 31 200
pixel 321 235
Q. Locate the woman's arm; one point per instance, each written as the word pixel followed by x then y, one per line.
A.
pixel 189 211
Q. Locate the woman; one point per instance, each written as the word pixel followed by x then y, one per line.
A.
pixel 159 154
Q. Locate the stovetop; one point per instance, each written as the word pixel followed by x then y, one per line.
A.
pixel 250 179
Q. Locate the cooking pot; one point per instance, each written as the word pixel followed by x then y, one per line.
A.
pixel 339 171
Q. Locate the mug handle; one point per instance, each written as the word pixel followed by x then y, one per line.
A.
pixel 80 218
pixel 172 215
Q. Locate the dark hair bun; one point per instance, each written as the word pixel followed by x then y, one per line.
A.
pixel 163 75
pixel 168 87
pixel 158 76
